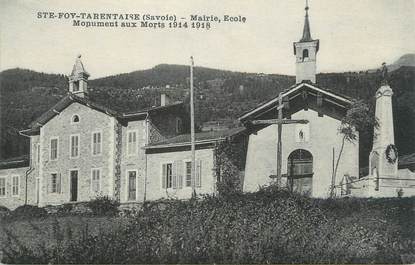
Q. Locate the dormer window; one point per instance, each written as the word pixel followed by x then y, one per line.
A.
pixel 75 119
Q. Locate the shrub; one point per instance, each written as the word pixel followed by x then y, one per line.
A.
pixel 103 205
pixel 28 211
pixel 4 209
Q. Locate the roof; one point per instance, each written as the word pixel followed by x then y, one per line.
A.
pixel 78 70
pixel 339 98
pixel 306 30
pixel 15 162
pixel 71 98
pixel 200 138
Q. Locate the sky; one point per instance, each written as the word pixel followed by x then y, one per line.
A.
pixel 354 35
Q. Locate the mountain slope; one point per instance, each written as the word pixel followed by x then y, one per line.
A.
pixel 220 94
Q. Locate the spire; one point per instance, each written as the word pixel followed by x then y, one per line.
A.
pixel 306 30
pixel 78 68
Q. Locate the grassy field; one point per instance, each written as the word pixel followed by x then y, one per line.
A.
pixel 269 226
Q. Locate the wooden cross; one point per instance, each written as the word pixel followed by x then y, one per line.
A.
pixel 279 122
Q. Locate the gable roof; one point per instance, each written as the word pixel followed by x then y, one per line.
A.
pixel 292 92
pixel 71 98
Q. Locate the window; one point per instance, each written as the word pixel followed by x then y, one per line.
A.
pixel 74 145
pixel 188 174
pixel 38 153
pixel 178 125
pixel 54 184
pixel 172 175
pixel 132 143
pixel 305 53
pixel 53 148
pixel 132 185
pixel 96 180
pixel 15 185
pixel 75 119
pixel 198 173
pixel 2 187
pixel 96 143
pixel 167 176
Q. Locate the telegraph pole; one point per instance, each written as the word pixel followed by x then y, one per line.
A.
pixel 192 128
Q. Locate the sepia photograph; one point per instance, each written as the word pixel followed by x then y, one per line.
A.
pixel 213 132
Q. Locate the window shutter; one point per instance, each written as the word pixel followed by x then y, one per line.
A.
pixel 174 174
pixel 198 173
pixel 163 176
pixel 48 184
pixel 180 173
pixel 59 185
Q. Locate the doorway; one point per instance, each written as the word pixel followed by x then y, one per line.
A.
pixel 132 185
pixel 73 185
pixel 300 172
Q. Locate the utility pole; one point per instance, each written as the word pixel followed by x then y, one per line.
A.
pixel 192 128
pixel 279 144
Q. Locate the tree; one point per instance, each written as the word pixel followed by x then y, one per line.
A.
pixel 359 117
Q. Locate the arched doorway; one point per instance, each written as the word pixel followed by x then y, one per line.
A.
pixel 300 171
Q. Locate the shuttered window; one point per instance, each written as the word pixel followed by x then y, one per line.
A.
pixel 74 145
pixel 188 174
pixel 15 185
pixel 55 183
pixel 96 143
pixel 53 149
pixel 132 143
pixel 96 180
pixel 174 174
pixel 2 187
pixel 198 173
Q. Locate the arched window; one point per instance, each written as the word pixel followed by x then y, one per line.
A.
pixel 75 119
pixel 305 53
pixel 300 171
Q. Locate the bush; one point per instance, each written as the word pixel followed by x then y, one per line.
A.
pixel 103 205
pixel 269 226
pixel 28 211
pixel 4 209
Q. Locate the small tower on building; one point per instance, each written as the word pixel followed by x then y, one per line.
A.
pixel 305 51
pixel 78 80
pixel 383 160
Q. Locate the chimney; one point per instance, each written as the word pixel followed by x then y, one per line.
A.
pixel 164 100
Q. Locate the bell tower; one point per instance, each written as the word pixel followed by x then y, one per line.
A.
pixel 305 51
pixel 78 80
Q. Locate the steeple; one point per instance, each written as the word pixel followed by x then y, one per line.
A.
pixel 78 80
pixel 306 30
pixel 306 50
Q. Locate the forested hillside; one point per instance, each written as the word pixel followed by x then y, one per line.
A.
pixel 220 94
